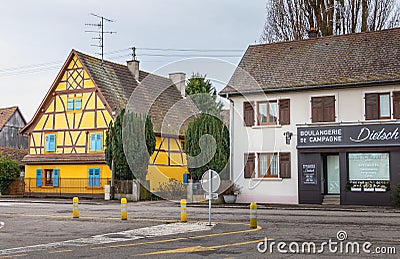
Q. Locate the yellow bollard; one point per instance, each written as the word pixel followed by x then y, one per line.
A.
pixel 183 211
pixel 124 213
pixel 253 215
pixel 75 210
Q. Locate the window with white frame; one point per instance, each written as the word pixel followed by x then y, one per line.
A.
pixel 266 112
pixel 268 165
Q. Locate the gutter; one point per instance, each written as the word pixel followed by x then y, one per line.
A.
pixel 314 87
pixel 231 129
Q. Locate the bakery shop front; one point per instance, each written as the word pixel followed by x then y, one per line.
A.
pixel 360 163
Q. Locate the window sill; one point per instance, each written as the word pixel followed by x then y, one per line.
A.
pixel 336 123
pixel 266 126
pixel 378 121
pixel 268 179
pixel 323 123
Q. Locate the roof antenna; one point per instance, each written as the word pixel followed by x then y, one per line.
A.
pixel 101 33
pixel 133 53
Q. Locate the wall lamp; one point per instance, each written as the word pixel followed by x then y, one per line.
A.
pixel 288 136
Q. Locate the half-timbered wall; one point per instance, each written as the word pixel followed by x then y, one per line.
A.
pixel 75 114
pixel 167 162
pixel 71 126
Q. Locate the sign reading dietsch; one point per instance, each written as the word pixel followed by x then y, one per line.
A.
pixel 349 136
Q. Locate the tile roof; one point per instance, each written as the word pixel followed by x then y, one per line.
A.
pixel 64 158
pixel 14 153
pixel 156 94
pixel 115 81
pixel 326 61
pixel 116 84
pixel 5 115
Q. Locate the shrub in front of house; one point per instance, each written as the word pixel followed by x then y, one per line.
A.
pixel 9 171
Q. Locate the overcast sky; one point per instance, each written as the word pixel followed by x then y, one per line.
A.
pixel 37 36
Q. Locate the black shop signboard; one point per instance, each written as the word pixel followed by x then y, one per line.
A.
pixel 309 173
pixel 349 136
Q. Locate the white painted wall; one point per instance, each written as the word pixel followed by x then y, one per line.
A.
pixel 349 107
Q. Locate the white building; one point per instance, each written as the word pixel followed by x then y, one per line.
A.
pixel 317 117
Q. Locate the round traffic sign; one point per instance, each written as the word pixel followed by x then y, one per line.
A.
pixel 215 181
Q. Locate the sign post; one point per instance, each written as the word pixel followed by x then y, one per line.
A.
pixel 210 182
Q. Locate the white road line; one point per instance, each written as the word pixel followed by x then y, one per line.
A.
pixel 129 235
pixel 1 224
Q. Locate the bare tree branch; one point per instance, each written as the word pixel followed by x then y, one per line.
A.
pixel 292 19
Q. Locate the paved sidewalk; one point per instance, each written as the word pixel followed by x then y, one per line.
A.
pixel 315 207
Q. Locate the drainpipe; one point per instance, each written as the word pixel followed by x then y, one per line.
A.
pixel 231 130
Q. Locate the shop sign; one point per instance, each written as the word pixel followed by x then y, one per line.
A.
pixel 349 136
pixel 309 173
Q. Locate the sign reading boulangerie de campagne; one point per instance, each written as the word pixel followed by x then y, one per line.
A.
pixel 349 135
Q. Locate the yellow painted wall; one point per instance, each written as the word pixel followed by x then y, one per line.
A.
pixel 163 166
pixel 66 120
pixel 159 171
pixel 158 175
pixel 72 178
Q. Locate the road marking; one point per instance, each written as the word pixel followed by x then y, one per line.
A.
pixel 123 236
pixel 198 248
pixel 10 256
pixel 141 243
pixel 109 218
pixel 60 251
pixel 1 224
pixel 178 239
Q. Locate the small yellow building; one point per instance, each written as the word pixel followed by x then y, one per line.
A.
pixel 67 132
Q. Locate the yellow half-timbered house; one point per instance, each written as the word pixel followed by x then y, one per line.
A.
pixel 67 132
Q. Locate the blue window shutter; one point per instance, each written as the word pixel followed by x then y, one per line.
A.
pixel 56 173
pixel 38 177
pixel 99 142
pixel 96 181
pixel 52 142
pixel 70 104
pixel 47 142
pixel 78 104
pixel 91 176
pixel 92 142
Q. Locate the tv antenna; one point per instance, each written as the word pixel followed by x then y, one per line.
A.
pixel 101 33
pixel 133 53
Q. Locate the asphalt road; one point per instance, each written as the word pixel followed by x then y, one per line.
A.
pixel 46 229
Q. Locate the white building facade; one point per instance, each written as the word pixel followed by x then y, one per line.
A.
pixel 317 117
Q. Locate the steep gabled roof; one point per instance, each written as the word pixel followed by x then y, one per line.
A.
pixel 116 85
pixel 114 80
pixel 7 113
pixel 327 61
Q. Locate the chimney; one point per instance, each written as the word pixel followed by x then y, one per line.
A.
pixel 312 33
pixel 133 66
pixel 179 80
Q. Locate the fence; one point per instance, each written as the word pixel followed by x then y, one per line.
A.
pixel 69 187
pixel 94 188
pixel 64 187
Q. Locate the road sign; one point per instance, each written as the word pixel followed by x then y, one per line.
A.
pixel 210 182
pixel 213 196
pixel 215 181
